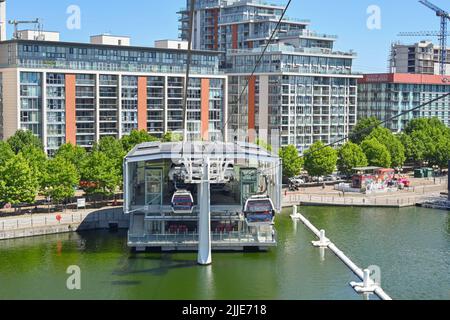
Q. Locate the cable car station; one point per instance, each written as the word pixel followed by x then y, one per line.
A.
pixel 202 196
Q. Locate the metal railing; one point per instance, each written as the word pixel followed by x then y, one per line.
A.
pixel 192 238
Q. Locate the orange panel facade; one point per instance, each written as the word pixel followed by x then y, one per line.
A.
pixel 251 108
pixel 142 103
pixel 71 115
pixel 205 109
pixel 234 31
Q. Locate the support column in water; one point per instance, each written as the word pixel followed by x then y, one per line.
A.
pixel 204 222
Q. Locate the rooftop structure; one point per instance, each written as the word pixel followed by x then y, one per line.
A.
pixel 111 40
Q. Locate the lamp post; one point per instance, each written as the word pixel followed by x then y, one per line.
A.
pixel 435 171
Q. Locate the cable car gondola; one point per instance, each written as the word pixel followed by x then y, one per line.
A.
pixel 259 209
pixel 182 202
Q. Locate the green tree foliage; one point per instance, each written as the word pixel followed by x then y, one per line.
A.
pixel 6 152
pixel 292 162
pixel 74 154
pixel 320 160
pixel 363 129
pixel 351 156
pixel 172 137
pixel 113 149
pixel 392 143
pixel 60 179
pixel 377 154
pixel 18 183
pixel 427 139
pixel 136 137
pixel 22 139
pixel 414 152
pixel 100 175
pixel 264 145
pixel 36 159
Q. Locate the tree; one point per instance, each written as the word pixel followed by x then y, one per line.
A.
pixel 377 154
pixel 21 139
pixel 264 145
pixel 37 159
pixel 74 154
pixel 113 149
pixel 363 129
pixel 172 137
pixel 6 152
pixel 292 162
pixel 392 143
pixel 351 156
pixel 320 160
pixel 414 148
pixel 100 175
pixel 136 137
pixel 60 179
pixel 18 183
pixel 429 138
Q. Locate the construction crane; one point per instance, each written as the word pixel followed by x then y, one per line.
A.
pixel 445 16
pixel 16 23
pixel 421 34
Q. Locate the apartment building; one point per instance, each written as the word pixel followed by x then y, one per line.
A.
pixel 239 24
pixel 419 58
pixel 297 96
pixel 386 95
pixel 81 92
pixel 303 90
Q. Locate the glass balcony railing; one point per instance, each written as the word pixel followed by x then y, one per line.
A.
pixel 192 238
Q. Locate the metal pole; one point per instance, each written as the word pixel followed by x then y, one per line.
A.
pixel 188 69
pixel 204 222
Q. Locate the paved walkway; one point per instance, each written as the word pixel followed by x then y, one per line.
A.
pixel 329 196
pixel 49 219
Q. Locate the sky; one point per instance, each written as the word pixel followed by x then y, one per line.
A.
pixel 148 20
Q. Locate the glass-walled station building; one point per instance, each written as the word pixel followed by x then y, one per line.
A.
pixel 157 174
pixel 81 92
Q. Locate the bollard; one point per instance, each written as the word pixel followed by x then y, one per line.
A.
pixel 367 279
pixel 323 241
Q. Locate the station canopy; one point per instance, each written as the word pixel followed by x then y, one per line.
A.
pixel 175 151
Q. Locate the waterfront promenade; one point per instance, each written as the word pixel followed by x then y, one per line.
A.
pixel 399 199
pixel 61 222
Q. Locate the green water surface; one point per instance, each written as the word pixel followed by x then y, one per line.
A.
pixel 410 245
